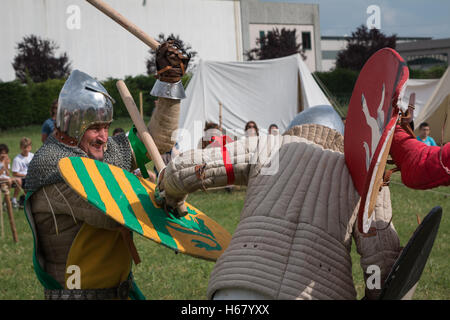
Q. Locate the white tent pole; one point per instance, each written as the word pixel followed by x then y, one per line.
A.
pixel 220 116
pixel 329 95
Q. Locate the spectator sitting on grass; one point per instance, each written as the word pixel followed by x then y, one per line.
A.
pixel 424 135
pixel 4 163
pixel 4 168
pixel 49 125
pixel 20 167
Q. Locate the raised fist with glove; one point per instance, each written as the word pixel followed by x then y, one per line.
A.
pixel 171 61
pixel 171 64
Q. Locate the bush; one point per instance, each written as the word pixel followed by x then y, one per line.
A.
pixel 15 105
pixel 340 83
pixel 25 104
pixel 42 95
pixel 134 85
pixel 435 72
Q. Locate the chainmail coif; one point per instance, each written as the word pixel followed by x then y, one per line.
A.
pixel 43 169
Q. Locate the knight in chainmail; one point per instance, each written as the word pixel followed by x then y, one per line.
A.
pixel 45 168
pixel 80 253
pixel 296 228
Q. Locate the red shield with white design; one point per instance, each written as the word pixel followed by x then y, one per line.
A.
pixel 370 124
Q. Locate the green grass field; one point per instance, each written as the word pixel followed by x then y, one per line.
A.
pixel 162 274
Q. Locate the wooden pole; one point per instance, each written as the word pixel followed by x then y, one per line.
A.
pixel 220 116
pixel 140 125
pixel 11 217
pixel 1 215
pixel 407 126
pixel 124 22
pixel 141 104
pixel 144 135
pixel 300 95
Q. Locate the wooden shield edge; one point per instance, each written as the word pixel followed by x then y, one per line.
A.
pixel 368 200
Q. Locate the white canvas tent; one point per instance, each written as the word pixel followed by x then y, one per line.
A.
pixel 267 91
pixel 436 109
pixel 423 88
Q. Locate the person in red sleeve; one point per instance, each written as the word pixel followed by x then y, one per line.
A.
pixel 421 166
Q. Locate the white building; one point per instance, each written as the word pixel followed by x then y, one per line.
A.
pixel 219 30
pixel 304 35
pixel 331 45
pixel 99 46
pixel 260 17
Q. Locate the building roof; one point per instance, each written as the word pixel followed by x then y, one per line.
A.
pixel 424 45
pixel 398 38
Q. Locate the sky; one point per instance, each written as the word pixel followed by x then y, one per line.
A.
pixel 405 18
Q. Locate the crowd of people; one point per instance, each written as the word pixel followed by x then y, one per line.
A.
pixel 214 136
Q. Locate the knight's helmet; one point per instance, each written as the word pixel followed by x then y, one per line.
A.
pixel 82 102
pixel 324 115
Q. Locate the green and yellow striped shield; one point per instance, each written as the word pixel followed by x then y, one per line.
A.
pixel 130 201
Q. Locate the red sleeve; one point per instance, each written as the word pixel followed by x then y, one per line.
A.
pixel 419 164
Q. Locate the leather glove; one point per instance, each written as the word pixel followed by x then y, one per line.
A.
pixel 171 61
pixel 167 202
pixel 406 119
pixel 408 116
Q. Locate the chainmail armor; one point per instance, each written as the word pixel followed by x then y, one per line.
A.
pixel 43 169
